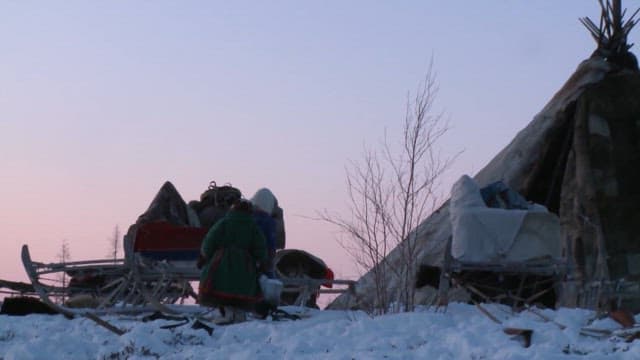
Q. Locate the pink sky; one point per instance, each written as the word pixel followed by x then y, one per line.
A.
pixel 100 103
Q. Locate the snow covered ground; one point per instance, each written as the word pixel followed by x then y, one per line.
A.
pixel 463 332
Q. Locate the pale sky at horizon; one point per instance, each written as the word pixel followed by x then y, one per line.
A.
pixel 101 102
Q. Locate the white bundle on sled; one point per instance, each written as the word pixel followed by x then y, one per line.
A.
pixel 271 289
pixel 486 234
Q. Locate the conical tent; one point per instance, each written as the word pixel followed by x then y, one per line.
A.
pixel 580 157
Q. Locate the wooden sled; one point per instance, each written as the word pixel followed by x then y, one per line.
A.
pixel 305 277
pixel 159 265
pixel 517 284
pixel 157 272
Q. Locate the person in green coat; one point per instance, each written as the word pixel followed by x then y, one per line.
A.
pixel 230 251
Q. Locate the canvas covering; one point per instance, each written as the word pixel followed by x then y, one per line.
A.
pixel 483 234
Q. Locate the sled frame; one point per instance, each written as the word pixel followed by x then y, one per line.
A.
pixel 451 271
pixel 127 290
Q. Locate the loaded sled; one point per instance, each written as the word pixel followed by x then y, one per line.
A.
pixel 159 267
pixel 502 249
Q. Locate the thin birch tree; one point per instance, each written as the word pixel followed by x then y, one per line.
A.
pixel 114 244
pixel 390 191
pixel 64 256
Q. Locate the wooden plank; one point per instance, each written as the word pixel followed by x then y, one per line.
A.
pixel 545 318
pixel 487 313
pixel 104 324
pixel 17 286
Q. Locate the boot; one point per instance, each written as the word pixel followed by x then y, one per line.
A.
pixel 239 316
pixel 227 316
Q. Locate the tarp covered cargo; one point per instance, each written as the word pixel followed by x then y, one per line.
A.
pixel 489 234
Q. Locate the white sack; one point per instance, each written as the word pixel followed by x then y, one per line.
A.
pixel 480 233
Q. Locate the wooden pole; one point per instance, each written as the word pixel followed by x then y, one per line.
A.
pixel 104 324
pixel 486 312
pixel 616 8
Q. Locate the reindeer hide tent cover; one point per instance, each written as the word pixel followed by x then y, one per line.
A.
pixel 580 157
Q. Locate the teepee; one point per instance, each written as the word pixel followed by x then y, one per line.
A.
pixel 580 157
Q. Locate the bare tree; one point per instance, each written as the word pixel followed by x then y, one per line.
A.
pixel 64 256
pixel 114 243
pixel 391 190
pixel 367 229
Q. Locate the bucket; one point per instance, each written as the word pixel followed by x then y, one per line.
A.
pixel 271 290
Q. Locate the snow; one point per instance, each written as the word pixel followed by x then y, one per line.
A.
pixel 462 332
